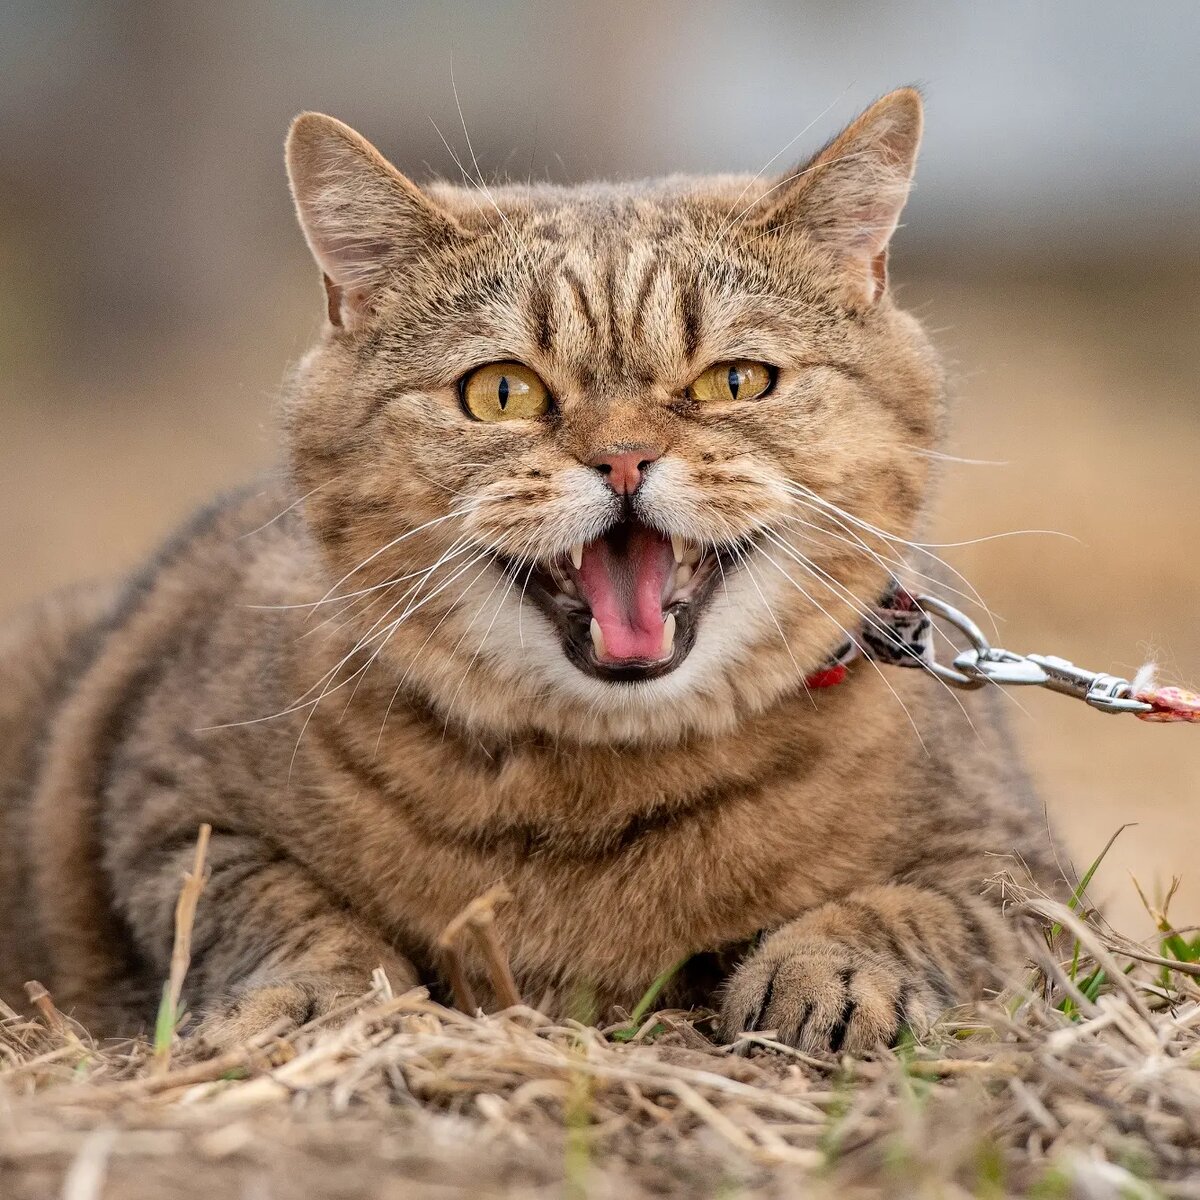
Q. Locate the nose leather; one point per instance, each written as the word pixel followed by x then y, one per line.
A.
pixel 625 470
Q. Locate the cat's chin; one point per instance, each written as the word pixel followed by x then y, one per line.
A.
pixel 627 606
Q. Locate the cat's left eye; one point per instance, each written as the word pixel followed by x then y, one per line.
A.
pixel 735 379
pixel 505 391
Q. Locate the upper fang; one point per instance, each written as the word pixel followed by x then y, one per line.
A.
pixel 677 546
pixel 577 555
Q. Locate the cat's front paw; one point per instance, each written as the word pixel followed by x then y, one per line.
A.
pixel 823 995
pixel 252 1010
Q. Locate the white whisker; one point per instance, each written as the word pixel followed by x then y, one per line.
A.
pixel 451 608
pixel 887 562
pixel 279 515
pixel 941 456
pixel 863 610
pixel 394 542
pixel 303 702
pixel 773 159
pixel 838 625
pixel 511 580
pixel 811 499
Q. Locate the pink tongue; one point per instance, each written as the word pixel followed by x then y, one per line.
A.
pixel 625 591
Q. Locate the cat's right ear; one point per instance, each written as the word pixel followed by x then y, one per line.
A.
pixel 362 218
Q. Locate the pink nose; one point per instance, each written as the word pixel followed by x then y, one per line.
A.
pixel 625 471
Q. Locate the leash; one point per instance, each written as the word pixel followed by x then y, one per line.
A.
pixel 899 632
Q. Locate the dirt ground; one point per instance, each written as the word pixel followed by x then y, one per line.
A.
pixel 1083 392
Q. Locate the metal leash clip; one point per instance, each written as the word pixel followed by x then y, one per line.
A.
pixel 984 663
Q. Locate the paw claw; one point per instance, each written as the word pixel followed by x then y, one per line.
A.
pixel 823 996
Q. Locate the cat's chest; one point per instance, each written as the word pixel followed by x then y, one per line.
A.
pixel 611 895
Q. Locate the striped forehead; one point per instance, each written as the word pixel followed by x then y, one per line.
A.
pixel 625 310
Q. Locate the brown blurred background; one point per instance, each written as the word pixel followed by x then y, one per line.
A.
pixel 153 286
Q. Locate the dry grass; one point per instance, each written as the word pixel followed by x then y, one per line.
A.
pixel 1083 1083
pixel 1088 396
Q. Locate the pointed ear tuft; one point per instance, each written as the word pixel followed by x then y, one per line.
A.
pixel 850 195
pixel 362 218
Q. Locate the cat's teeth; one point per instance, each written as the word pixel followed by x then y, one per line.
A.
pixel 562 580
pixel 678 546
pixel 577 555
pixel 598 639
pixel 668 642
pixel 683 575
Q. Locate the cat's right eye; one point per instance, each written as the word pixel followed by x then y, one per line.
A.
pixel 505 391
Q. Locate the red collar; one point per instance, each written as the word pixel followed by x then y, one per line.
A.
pixel 827 676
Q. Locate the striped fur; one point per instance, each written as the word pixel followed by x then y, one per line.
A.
pixel 363 788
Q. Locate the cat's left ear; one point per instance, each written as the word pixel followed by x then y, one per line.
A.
pixel 363 220
pixel 849 196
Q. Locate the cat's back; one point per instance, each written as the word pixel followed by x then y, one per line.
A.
pixel 71 668
pixel 44 650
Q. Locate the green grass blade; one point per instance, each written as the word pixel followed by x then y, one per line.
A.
pixel 643 1007
pixel 164 1024
pixel 1082 886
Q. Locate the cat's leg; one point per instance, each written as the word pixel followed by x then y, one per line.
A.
pixel 268 942
pixel 850 974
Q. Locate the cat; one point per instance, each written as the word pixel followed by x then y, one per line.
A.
pixel 583 485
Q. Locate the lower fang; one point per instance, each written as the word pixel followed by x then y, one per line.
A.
pixel 668 642
pixel 598 639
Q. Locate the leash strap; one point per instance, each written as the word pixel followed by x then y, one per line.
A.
pixel 900 633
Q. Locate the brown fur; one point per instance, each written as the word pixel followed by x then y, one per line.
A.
pixel 363 787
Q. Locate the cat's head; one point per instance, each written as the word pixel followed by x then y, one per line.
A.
pixel 605 460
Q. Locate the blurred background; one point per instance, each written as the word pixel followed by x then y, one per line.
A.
pixel 153 285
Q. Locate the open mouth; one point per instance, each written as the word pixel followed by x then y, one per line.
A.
pixel 627 603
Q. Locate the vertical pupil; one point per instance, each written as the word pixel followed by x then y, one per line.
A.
pixel 502 391
pixel 735 381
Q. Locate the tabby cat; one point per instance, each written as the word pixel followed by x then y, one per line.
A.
pixel 583 485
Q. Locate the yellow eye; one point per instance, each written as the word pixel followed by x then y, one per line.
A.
pixel 736 379
pixel 504 391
